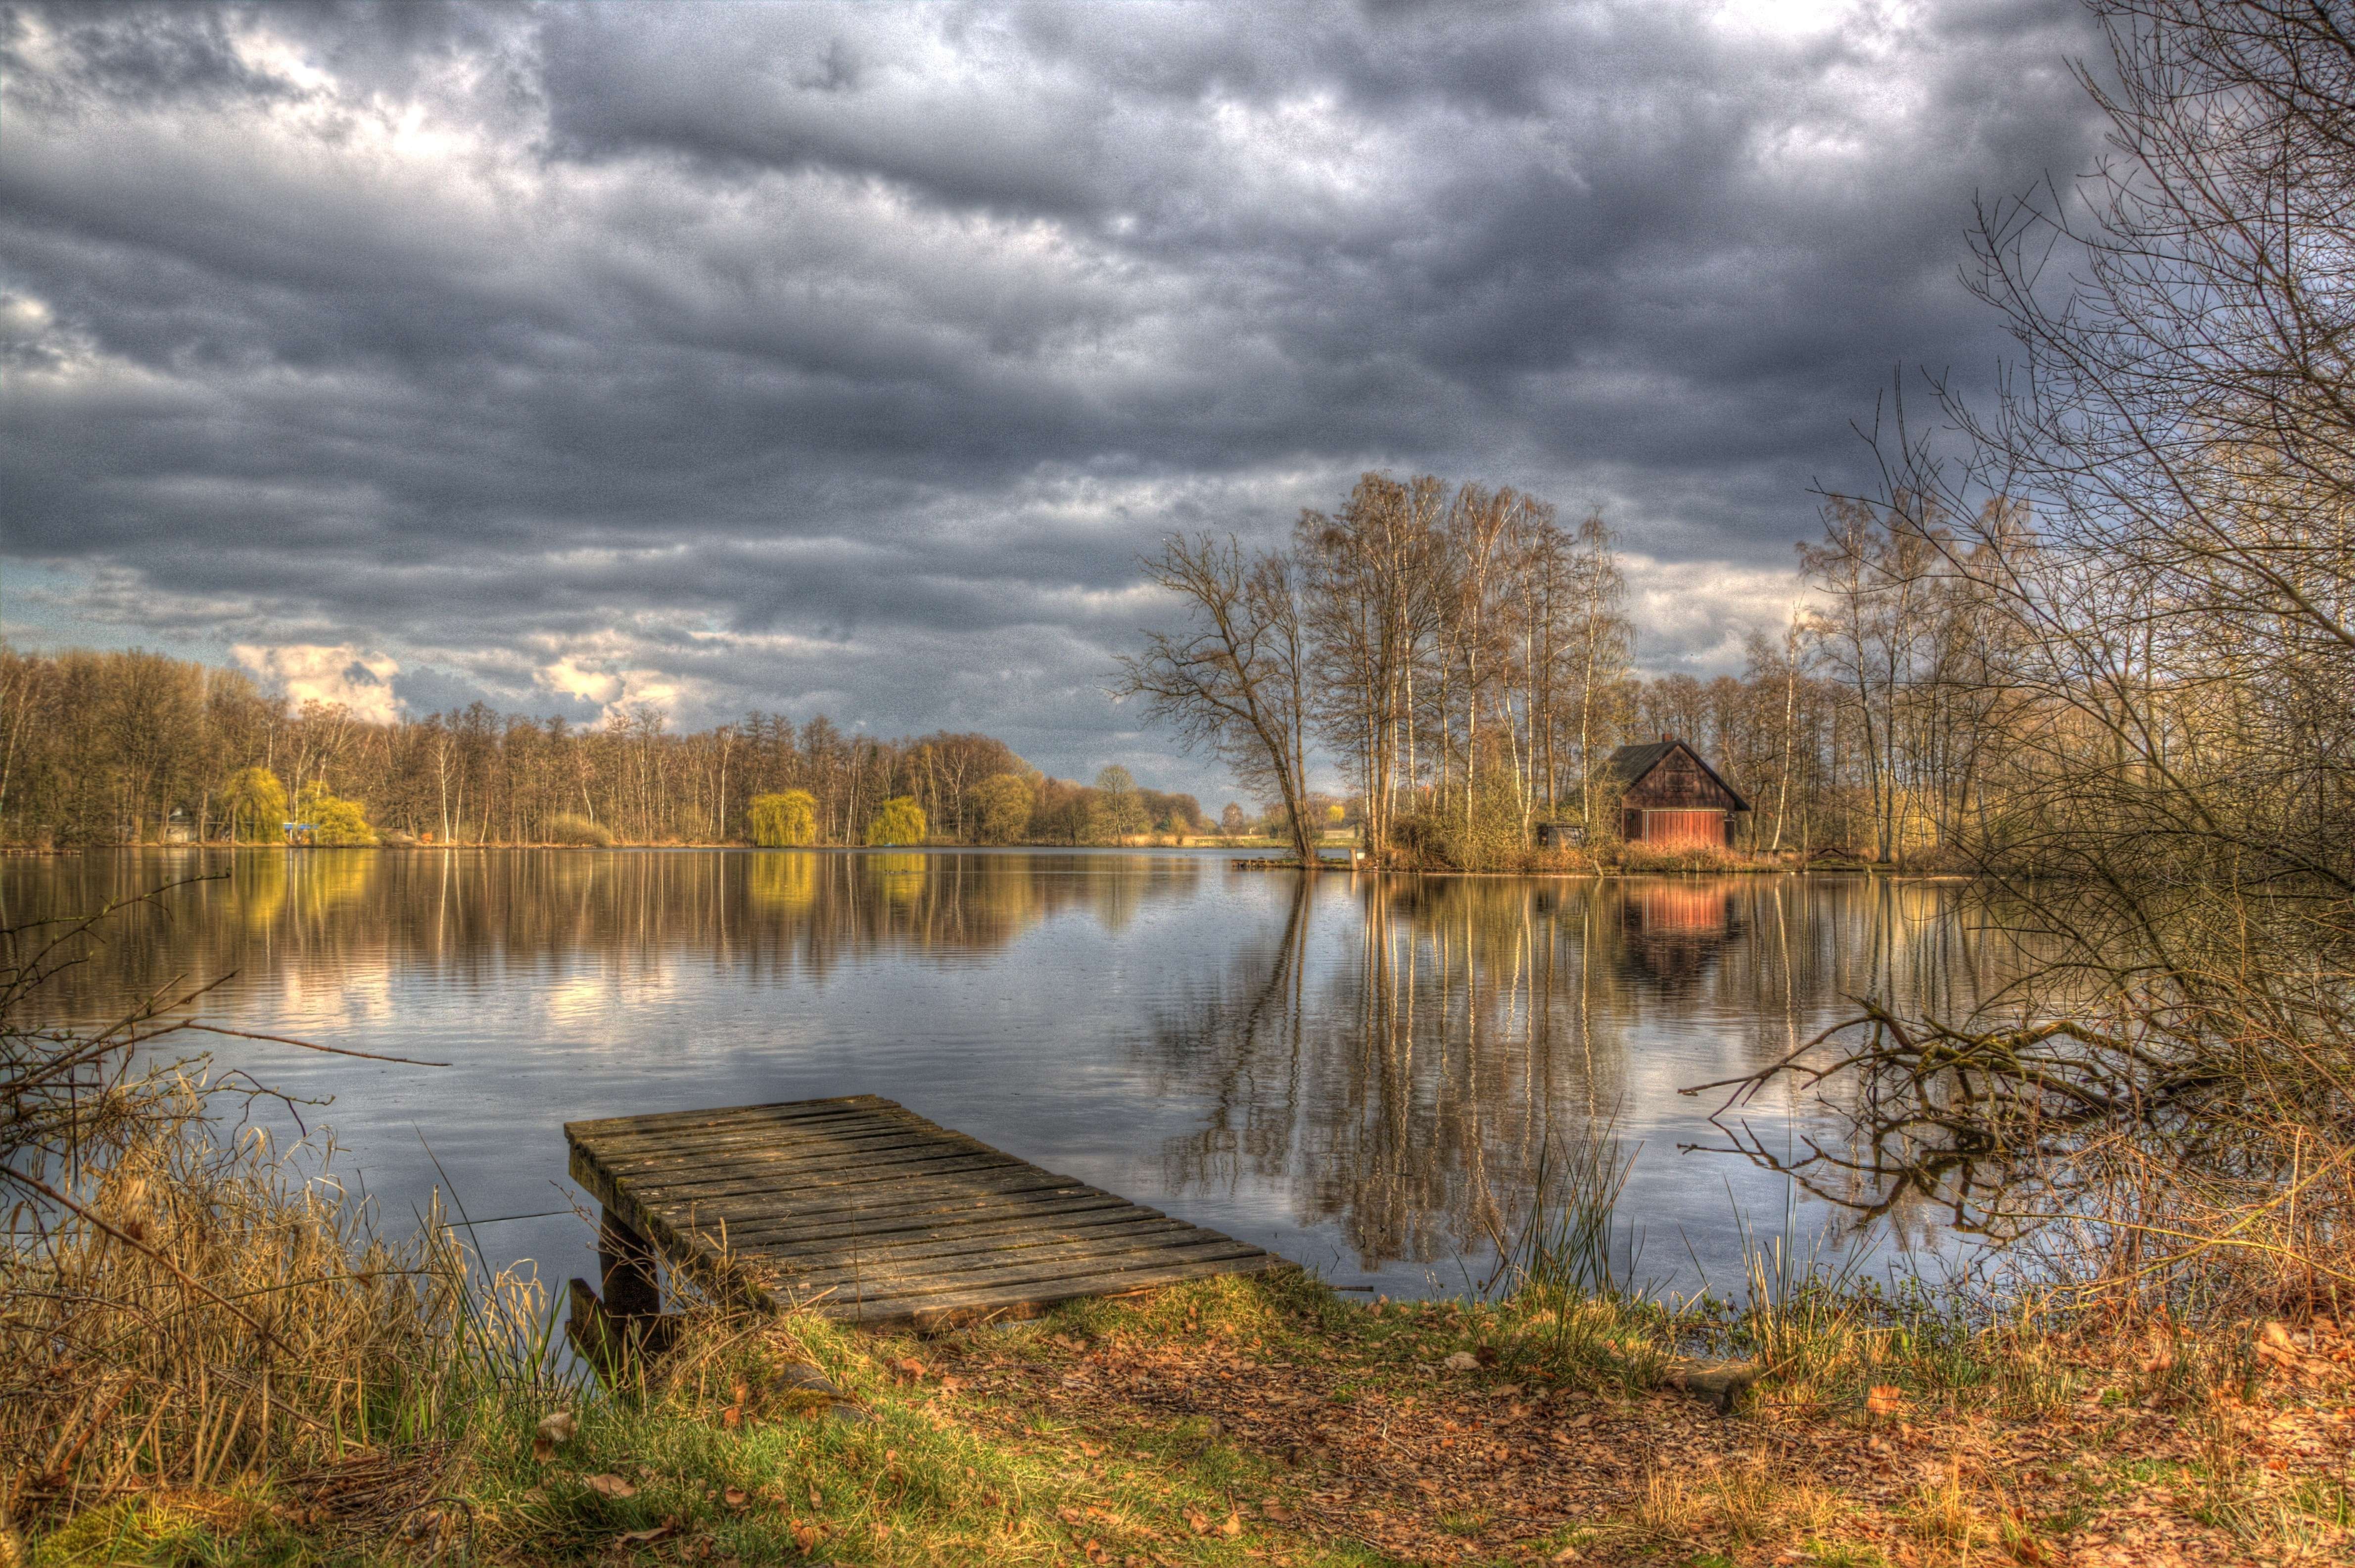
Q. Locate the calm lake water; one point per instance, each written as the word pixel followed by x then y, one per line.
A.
pixel 1359 1074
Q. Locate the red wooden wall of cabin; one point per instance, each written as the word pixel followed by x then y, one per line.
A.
pixel 1686 830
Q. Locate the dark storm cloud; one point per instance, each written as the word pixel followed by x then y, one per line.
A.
pixel 790 356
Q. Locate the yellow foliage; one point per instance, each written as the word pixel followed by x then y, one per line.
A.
pixel 899 821
pixel 335 821
pixel 786 821
pixel 1005 803
pixel 256 803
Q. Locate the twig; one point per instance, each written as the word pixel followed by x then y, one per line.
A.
pixel 306 1044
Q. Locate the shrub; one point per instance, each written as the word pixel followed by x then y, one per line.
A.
pixel 1495 839
pixel 899 821
pixel 570 827
pixel 335 821
pixel 786 821
pixel 1419 843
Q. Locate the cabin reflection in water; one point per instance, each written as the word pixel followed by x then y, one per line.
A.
pixel 1674 930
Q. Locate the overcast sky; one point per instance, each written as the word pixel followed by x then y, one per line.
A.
pixel 844 359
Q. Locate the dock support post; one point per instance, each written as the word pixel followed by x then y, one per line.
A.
pixel 632 1288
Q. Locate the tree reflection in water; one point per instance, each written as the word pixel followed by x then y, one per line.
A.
pixel 474 915
pixel 1403 1085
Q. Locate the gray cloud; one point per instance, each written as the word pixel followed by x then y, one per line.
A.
pixel 795 355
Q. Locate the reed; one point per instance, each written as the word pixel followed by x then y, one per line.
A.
pixel 1569 1278
pixel 188 1309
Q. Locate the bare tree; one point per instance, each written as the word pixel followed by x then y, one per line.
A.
pixel 2162 548
pixel 1236 679
pixel 1374 575
pixel 1602 646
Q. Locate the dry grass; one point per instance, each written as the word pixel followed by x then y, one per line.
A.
pixel 216 1317
pixel 184 1312
pixel 1741 1503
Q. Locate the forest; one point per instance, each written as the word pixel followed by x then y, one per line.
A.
pixel 126 748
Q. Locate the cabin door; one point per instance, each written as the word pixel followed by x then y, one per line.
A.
pixel 1685 829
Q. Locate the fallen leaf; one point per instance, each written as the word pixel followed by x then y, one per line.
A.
pixel 608 1485
pixel 951 1385
pixel 1233 1525
pixel 733 1417
pixel 735 1497
pixel 641 1537
pixel 1885 1399
pixel 910 1366
pixel 1277 1512
pixel 1461 1361
pixel 1199 1521
pixel 805 1537
pixel 558 1426
pixel 542 1450
pixel 815 1500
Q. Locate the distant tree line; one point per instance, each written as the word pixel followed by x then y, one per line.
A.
pixel 105 748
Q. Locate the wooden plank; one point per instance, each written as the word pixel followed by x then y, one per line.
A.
pixel 948 1195
pixel 908 1183
pixel 792 1195
pixel 932 1222
pixel 785 1152
pixel 629 1136
pixel 943 1192
pixel 784 1164
pixel 947 1241
pixel 873 1300
pixel 1011 1266
pixel 654 1121
pixel 1010 1302
pixel 857 1196
pixel 1033 1207
pixel 1030 1237
pixel 792 1135
pixel 1071 1284
pixel 784 1159
pixel 901 1164
pixel 1013 1212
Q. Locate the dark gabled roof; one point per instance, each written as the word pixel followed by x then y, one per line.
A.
pixel 1626 768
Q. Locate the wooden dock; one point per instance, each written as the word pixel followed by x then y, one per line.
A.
pixel 862 1211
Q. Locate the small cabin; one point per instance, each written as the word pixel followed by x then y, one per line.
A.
pixel 1670 798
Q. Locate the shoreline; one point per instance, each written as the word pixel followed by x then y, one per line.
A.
pixel 1272 861
pixel 1240 1422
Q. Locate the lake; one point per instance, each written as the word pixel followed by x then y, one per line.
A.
pixel 1360 1073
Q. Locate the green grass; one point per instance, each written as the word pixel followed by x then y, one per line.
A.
pixel 909 1483
pixel 966 1475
